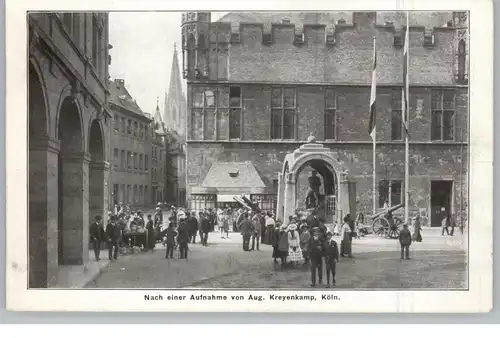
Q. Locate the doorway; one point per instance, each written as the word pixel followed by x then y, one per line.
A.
pixel 441 196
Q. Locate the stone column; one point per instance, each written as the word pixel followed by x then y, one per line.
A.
pixel 347 197
pixel 290 191
pixel 98 189
pixel 281 196
pixel 43 196
pixel 75 205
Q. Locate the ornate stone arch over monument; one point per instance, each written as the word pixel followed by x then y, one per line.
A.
pixel 335 178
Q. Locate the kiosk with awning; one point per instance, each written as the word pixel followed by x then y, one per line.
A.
pixel 225 182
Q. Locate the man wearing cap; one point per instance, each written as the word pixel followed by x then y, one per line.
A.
pixel 205 228
pixel 331 258
pixel 316 247
pixel 193 226
pixel 96 232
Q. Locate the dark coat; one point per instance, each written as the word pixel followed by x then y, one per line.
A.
pixel 316 247
pixel 113 232
pixel 192 224
pixel 183 236
pixel 96 232
pixel 405 237
pixel 171 233
pixel 331 250
pixel 312 221
pixel 246 227
pixel 283 241
pixel 204 224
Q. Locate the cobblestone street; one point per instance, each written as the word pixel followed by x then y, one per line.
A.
pixel 437 263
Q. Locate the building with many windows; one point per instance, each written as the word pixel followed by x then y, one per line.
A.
pixel 158 157
pixel 69 128
pixel 259 84
pixel 132 143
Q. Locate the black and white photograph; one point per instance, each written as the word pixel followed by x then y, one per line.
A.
pixel 262 150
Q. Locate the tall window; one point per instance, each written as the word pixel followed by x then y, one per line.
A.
pixel 135 129
pixel 235 113
pixel 97 46
pixel 116 158
pixel 146 199
pixel 134 155
pixel 116 123
pixel 396 118
pixel 146 163
pixel 140 162
pixel 330 114
pixel 129 127
pixel 123 126
pixel 135 194
pixel 71 22
pixel 283 113
pixel 389 191
pixel 443 112
pixel 141 196
pixel 129 160
pixel 123 160
pixel 141 131
pixel 461 61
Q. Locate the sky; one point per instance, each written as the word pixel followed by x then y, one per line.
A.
pixel 143 45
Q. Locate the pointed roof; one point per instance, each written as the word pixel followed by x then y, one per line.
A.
pixel 175 86
pixel 122 98
pixel 233 175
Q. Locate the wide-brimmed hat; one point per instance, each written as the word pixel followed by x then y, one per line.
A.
pixel 304 225
pixel 292 227
pixel 283 227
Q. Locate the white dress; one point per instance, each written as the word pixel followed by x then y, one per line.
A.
pixel 294 251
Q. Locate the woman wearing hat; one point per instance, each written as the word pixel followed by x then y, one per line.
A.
pixel 294 251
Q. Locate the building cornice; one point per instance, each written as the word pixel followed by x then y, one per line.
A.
pixel 324 84
pixel 128 112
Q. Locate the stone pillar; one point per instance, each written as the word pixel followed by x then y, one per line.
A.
pixel 98 189
pixel 347 198
pixel 281 196
pixel 43 195
pixel 75 204
pixel 290 190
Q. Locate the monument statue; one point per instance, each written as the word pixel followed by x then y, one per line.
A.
pixel 312 199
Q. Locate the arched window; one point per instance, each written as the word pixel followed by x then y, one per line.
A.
pixel 191 57
pixel 461 61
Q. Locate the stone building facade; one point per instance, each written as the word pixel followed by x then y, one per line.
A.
pixel 260 83
pixel 158 157
pixel 132 142
pixel 175 121
pixel 69 128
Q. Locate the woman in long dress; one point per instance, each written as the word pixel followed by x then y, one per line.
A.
pixel 345 247
pixel 417 236
pixel 151 234
pixel 294 251
pixel 283 245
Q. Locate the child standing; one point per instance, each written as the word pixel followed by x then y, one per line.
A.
pixel 405 241
pixel 331 258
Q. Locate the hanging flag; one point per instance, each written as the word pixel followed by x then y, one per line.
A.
pixel 373 115
pixel 406 88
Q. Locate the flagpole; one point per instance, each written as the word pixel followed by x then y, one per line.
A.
pixel 407 119
pixel 374 136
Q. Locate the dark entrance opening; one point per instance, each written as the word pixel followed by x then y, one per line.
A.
pixel 441 193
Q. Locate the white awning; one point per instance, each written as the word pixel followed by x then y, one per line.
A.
pixel 228 198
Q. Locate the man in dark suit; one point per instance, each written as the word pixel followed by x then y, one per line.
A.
pixel 247 230
pixel 193 226
pixel 205 228
pixel 113 233
pixel 405 241
pixel 96 236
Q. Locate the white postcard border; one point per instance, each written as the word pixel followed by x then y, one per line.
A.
pixel 477 299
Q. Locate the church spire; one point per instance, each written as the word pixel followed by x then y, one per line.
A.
pixel 175 105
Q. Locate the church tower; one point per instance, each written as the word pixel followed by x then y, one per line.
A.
pixel 175 102
pixel 195 45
